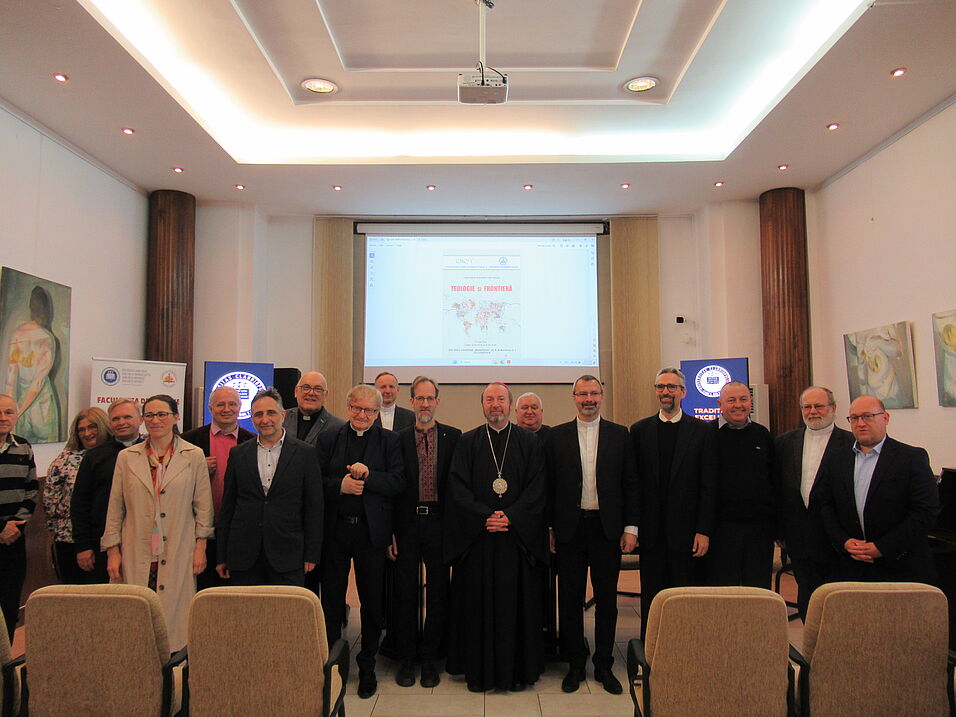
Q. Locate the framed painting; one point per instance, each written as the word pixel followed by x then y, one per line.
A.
pixel 880 363
pixel 944 339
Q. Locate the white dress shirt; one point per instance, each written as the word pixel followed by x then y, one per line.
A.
pixel 268 458
pixel 388 416
pixel 814 444
pixel 588 443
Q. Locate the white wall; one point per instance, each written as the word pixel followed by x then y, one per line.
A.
pixel 64 219
pixel 882 249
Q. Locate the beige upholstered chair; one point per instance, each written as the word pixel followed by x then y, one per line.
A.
pixel 98 649
pixel 9 676
pixel 712 651
pixel 262 651
pixel 872 649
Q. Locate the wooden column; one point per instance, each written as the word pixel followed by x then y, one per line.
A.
pixel 170 283
pixel 786 309
pixel 335 277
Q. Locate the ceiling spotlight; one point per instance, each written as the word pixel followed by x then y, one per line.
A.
pixel 319 86
pixel 128 130
pixel 641 84
pixel 178 170
pixel 430 187
pixel 336 187
pixel 833 125
pixel 528 186
pixel 60 77
pixel 625 185
pixel 898 72
pixel 240 186
pixel 719 183
pixel 783 167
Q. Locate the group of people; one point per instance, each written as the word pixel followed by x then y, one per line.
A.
pixel 486 512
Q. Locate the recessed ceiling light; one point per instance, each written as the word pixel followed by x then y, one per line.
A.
pixel 336 187
pixel 528 186
pixel 833 125
pixel 783 167
pixel 641 84
pixel 898 72
pixel 128 130
pixel 430 187
pixel 319 86
pixel 240 186
pixel 178 170
pixel 719 183
pixel 625 185
pixel 60 77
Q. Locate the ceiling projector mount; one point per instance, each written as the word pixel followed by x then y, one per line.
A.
pixel 486 86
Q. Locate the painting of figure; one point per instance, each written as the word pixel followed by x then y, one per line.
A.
pixel 879 362
pixel 35 337
pixel 944 339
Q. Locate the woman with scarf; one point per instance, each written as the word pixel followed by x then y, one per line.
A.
pixel 160 515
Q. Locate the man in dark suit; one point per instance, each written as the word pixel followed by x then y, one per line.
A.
pixel 392 416
pixel 427 448
pixel 799 455
pixel 310 418
pixel 270 525
pixel 676 473
pixel 216 439
pixel 592 513
pixel 878 502
pixel 91 491
pixel 362 470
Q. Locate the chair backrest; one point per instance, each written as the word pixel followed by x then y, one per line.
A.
pixel 718 651
pixel 95 649
pixel 877 649
pixel 256 650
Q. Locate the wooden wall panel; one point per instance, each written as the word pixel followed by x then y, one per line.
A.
pixel 333 307
pixel 635 317
pixel 786 312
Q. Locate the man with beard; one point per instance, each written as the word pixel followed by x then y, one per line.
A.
pixel 592 510
pixel 427 448
pixel 676 469
pixel 497 541
pixel 799 455
pixel 392 416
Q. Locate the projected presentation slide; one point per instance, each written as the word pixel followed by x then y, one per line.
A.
pixel 475 309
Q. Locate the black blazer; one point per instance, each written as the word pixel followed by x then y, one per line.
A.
pixel 322 421
pixel 403 419
pixel 900 510
pixel 200 437
pixel 385 481
pixel 801 528
pixel 286 524
pixel 615 472
pixel 671 521
pixel 91 495
pixel 405 503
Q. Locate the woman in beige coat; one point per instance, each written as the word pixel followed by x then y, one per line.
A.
pixel 160 514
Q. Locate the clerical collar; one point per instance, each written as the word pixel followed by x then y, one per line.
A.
pixel 305 416
pixel 673 419
pixel 358 432
pixel 499 430
pixel 588 424
pixel 820 431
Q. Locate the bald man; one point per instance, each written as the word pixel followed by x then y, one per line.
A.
pixel 310 417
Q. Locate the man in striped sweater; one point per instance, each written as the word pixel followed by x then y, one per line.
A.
pixel 18 495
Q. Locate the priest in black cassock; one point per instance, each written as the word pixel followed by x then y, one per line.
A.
pixel 497 542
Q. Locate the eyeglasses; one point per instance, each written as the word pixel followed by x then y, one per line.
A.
pixel 863 417
pixel 306 388
pixel 588 394
pixel 367 411
pixel 88 429
pixel 814 406
pixel 161 415
pixel 425 399
pixel 667 386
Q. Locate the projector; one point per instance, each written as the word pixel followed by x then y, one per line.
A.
pixel 490 90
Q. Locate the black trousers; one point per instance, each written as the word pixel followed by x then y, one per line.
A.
pixel 740 554
pixel 663 568
pixel 98 575
pixel 589 547
pixel 810 573
pixel 262 573
pixel 421 542
pixel 13 570
pixel 346 543
pixel 64 557
pixel 209 578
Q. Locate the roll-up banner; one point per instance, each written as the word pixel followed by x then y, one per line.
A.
pixel 705 378
pixel 247 378
pixel 112 379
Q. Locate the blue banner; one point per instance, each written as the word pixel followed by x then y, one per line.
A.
pixel 705 378
pixel 246 378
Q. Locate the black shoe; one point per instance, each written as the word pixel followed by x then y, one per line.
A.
pixel 405 677
pixel 608 681
pixel 572 680
pixel 367 685
pixel 430 676
pixel 475 688
pixel 516 686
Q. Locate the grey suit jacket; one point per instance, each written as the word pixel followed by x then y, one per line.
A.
pixel 321 422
